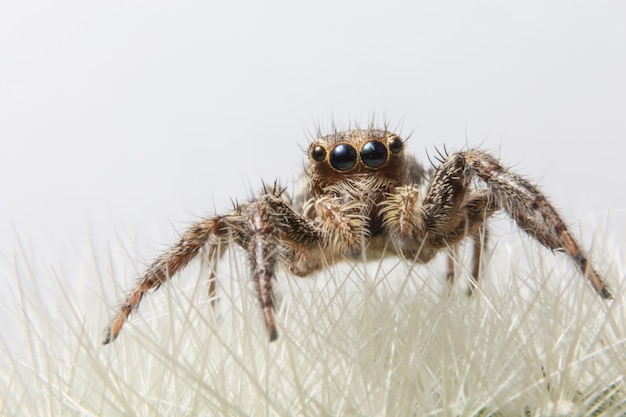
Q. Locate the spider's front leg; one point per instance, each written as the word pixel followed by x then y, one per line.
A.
pixel 212 232
pixel 264 227
pixel 262 247
pixel 274 232
pixel 519 198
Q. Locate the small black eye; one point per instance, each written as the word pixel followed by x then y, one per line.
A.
pixel 343 157
pixel 395 145
pixel 318 153
pixel 374 154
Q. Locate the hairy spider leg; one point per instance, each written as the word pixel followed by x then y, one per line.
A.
pixel 168 264
pixel 519 198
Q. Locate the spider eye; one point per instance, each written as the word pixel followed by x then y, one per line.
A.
pixel 343 157
pixel 374 154
pixel 395 145
pixel 318 153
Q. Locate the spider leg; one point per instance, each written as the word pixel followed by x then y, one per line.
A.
pixel 519 198
pixel 444 198
pixel 168 264
pixel 215 252
pixel 477 207
pixel 262 248
pixel 452 209
pixel 478 242
pixel 263 227
pixel 479 239
pixel 271 227
pixel 450 273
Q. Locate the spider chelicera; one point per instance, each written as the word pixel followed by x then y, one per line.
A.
pixel 365 196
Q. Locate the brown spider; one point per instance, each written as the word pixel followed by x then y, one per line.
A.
pixel 364 195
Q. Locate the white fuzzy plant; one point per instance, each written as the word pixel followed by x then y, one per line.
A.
pixel 378 339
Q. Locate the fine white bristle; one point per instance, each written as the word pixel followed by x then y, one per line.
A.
pixel 381 339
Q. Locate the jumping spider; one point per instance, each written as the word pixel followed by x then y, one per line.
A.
pixel 363 193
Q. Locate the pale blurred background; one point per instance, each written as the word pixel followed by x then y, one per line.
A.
pixel 127 120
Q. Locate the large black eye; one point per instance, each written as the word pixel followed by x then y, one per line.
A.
pixel 374 154
pixel 318 153
pixel 395 145
pixel 343 157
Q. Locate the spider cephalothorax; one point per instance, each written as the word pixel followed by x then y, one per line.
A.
pixel 365 197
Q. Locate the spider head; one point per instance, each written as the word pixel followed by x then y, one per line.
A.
pixel 355 154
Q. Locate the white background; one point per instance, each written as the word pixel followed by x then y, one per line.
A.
pixel 127 120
